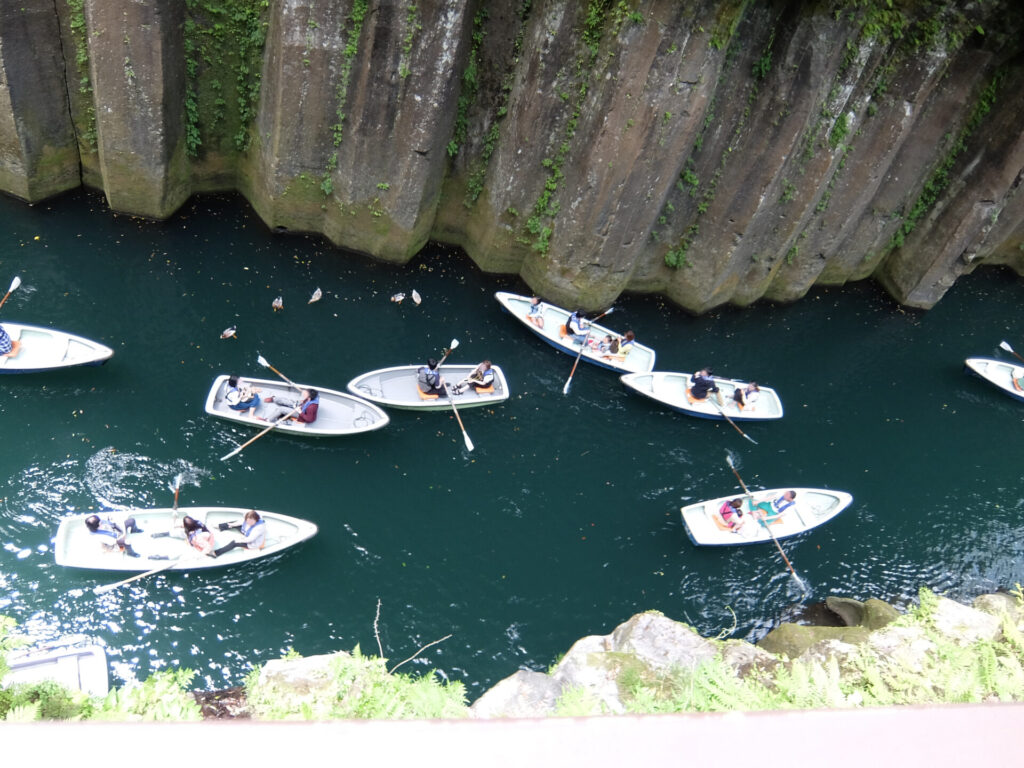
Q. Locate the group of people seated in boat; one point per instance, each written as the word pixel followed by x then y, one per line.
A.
pixel 578 329
pixel 199 537
pixel 768 511
pixel 245 398
pixel 8 347
pixel 702 384
pixel 432 384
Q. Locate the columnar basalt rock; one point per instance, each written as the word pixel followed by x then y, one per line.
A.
pixel 715 152
pixel 137 67
pixel 38 153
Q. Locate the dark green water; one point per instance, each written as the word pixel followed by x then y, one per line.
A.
pixel 564 520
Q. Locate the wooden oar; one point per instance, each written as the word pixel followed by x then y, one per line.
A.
pixel 1002 345
pixel 238 450
pixel 767 527
pixel 263 361
pixel 465 435
pixel 108 587
pixel 451 348
pixel 14 286
pixel 721 410
pixel 590 327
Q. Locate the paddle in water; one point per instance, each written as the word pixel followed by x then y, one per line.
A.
pixel 14 286
pixel 273 424
pixel 721 410
pixel 583 345
pixel 1008 348
pixel 768 528
pixel 465 435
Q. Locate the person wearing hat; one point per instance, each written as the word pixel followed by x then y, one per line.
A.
pixel 429 379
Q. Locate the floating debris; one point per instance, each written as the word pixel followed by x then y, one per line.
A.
pixel 278 303
pixel 416 296
pixel 228 333
pixel 397 298
pixel 317 295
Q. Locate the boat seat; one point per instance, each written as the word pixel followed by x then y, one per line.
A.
pixel 424 395
pixel 718 521
pixel 562 331
pixel 485 390
pixel 690 398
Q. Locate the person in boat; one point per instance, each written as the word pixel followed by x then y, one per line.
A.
pixel 770 511
pixel 626 343
pixel 8 346
pixel 745 397
pixel 605 345
pixel 303 410
pixel 731 512
pixel 254 532
pixel 576 326
pixel 198 535
pixel 701 384
pixel 241 396
pixel 111 534
pixel 1017 376
pixel 482 378
pixel 535 314
pixel 429 379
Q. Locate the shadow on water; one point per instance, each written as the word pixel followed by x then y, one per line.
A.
pixel 565 519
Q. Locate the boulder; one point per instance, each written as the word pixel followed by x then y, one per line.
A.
pixel 792 640
pixel 963 624
pixel 872 613
pixel 524 694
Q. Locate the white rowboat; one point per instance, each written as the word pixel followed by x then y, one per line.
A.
pixel 46 349
pixel 161 542
pixel 397 388
pixel 813 507
pixel 998 372
pixel 639 358
pixel 73 662
pixel 339 413
pixel 670 389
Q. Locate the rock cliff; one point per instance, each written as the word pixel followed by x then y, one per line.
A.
pixel 714 151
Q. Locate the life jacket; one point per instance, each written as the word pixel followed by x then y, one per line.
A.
pixel 108 531
pixel 233 396
pixel 315 401
pixel 575 324
pixel 428 378
pixel 780 508
pixel 262 535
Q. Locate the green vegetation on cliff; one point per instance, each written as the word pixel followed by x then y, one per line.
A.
pixel 224 42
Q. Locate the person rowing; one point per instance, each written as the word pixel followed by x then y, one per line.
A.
pixel 112 535
pixel 771 511
pixel 430 380
pixel 303 410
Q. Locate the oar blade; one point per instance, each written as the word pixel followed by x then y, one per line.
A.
pixel 262 361
pixel 749 438
pixel 15 283
pixel 469 443
pixel 235 452
pixel 565 387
